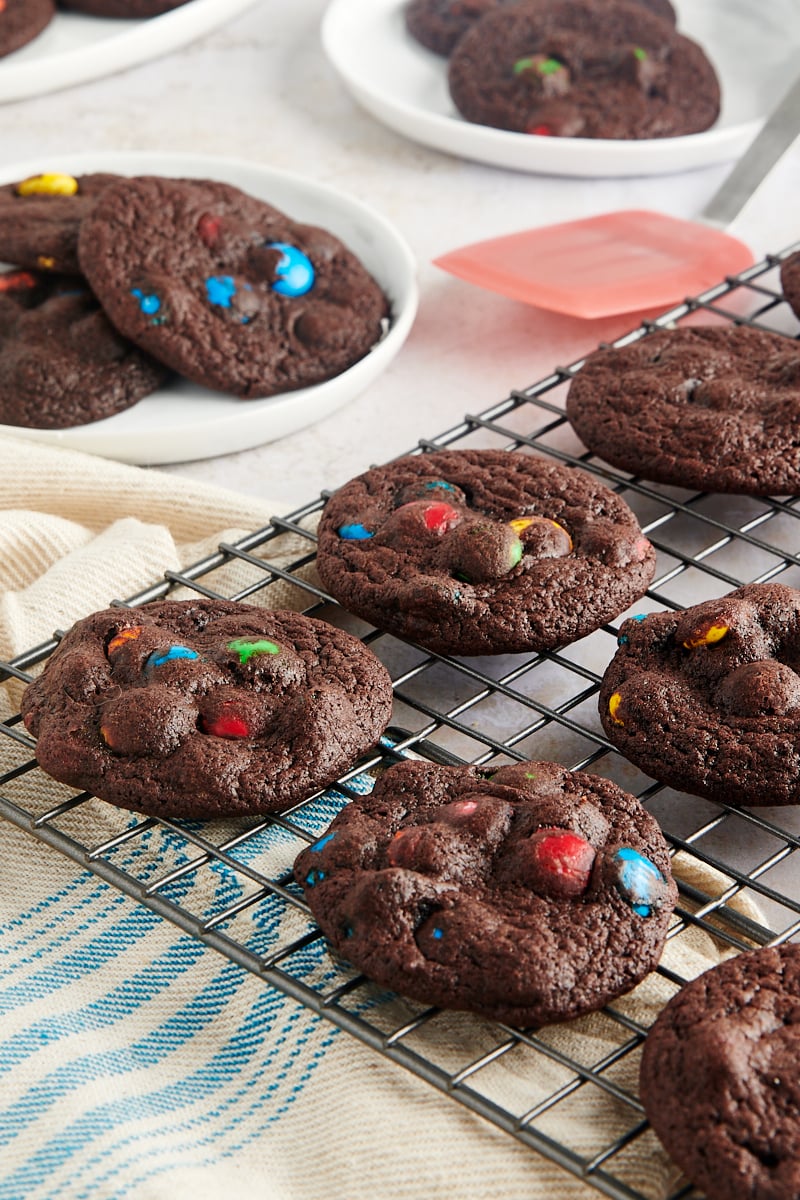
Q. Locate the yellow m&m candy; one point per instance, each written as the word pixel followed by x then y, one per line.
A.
pixel 48 185
pixel 706 637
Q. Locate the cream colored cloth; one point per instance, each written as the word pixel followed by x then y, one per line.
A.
pixel 137 1063
pixel 78 531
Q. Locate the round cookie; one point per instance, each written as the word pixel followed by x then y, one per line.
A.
pixel 708 700
pixel 482 551
pixel 62 363
pixel 205 708
pixel 123 8
pixel 21 21
pixel 790 281
pixel 578 68
pixel 40 218
pixel 713 409
pixel 531 894
pixel 226 289
pixel 719 1078
pixel 438 24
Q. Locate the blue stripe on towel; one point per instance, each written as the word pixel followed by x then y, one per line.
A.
pixel 228 1094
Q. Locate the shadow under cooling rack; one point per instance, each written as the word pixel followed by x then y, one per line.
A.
pixel 568 1092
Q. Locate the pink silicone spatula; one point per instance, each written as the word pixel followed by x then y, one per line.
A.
pixel 632 260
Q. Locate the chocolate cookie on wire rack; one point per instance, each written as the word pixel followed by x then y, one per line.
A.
pixel 709 408
pixel 530 894
pixel 205 708
pixel 790 281
pixel 482 551
pixel 708 700
pixel 719 1077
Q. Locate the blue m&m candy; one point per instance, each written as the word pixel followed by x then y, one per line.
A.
pixel 322 843
pixel 160 658
pixel 355 532
pixel 148 301
pixel 223 292
pixel 638 881
pixel 295 273
pixel 220 290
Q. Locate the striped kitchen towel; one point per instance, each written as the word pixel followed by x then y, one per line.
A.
pixel 135 1061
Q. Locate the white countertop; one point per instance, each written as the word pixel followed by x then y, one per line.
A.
pixel 260 88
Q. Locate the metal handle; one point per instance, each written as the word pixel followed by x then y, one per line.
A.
pixel 777 134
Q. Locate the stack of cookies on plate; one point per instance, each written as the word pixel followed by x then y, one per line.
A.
pixel 120 282
pixel 570 68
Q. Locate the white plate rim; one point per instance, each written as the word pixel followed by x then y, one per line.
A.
pixel 577 157
pixel 135 42
pixel 243 424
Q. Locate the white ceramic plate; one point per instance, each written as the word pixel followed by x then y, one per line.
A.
pixel 75 48
pixel 753 46
pixel 184 421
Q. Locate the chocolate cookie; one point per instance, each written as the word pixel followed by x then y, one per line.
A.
pixel 712 409
pixel 719 1077
pixel 40 217
pixel 62 363
pixel 790 281
pixel 580 68
pixel 203 708
pixel 21 21
pixel 438 24
pixel 123 8
pixel 531 894
pixel 708 700
pixel 661 8
pixel 225 289
pixel 482 551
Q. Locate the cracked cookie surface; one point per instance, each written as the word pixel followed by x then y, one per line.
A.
pixel 711 408
pixel 529 894
pixel 719 1078
pixel 225 289
pixel 205 708
pixel 482 552
pixel 708 700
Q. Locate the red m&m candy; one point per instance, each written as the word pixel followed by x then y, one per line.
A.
pixel 440 517
pixel 562 862
pixel 208 228
pixel 227 725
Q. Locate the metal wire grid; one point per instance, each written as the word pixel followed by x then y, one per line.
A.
pixel 534 1085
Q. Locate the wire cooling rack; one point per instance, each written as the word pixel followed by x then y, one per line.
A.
pixel 563 1093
